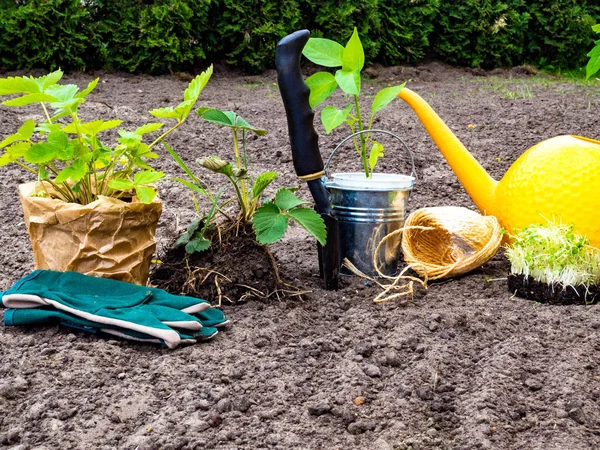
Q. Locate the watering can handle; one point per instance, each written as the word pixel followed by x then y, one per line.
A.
pixel 413 173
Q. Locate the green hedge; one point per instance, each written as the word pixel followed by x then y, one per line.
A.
pixel 158 36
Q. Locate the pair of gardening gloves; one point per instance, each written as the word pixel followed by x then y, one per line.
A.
pixel 108 306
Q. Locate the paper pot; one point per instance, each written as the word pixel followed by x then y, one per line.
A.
pixel 107 238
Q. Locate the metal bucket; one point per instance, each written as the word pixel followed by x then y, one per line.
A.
pixel 367 210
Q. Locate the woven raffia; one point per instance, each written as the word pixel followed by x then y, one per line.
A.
pixel 447 241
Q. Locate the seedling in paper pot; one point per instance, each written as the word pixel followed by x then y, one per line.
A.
pixel 351 59
pixel 66 154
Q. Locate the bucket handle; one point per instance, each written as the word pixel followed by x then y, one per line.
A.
pixel 410 153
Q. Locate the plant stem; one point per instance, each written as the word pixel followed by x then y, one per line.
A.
pixel 46 112
pixel 25 166
pixel 165 134
pixel 240 198
pixel 363 142
pixel 244 195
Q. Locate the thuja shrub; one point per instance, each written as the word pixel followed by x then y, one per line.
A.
pixel 153 37
pixel 244 33
pixel 335 20
pixel 481 33
pixel 406 26
pixel 560 32
pixel 44 33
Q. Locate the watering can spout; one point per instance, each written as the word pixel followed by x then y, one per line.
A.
pixel 476 181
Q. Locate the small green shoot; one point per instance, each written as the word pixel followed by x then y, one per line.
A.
pixel 351 59
pixel 552 254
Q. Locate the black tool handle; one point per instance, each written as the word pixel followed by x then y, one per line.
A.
pixel 294 93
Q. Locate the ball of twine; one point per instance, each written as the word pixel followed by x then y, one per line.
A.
pixel 446 241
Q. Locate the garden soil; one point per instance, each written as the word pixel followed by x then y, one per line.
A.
pixel 461 365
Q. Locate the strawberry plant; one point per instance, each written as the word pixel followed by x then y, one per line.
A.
pixel 66 155
pixel 269 217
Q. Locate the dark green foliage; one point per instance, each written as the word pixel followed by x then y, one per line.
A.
pixel 244 33
pixel 335 20
pixel 481 33
pixel 560 32
pixel 405 31
pixel 44 33
pixel 152 37
pixel 161 36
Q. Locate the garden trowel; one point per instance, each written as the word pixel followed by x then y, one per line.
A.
pixel 305 146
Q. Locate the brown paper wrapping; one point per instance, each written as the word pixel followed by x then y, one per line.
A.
pixel 107 238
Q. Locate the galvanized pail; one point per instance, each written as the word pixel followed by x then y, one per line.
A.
pixel 367 210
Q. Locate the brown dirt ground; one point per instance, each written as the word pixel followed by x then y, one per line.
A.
pixel 462 366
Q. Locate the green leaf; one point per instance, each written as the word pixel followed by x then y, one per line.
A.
pixel 225 118
pixel 92 128
pixel 285 199
pixel 18 149
pixel 261 183
pixel 353 59
pixel 41 153
pixel 269 224
pixel 121 184
pixel 145 194
pixel 74 172
pixel 26 130
pixel 59 139
pixel 349 82
pixel 19 85
pixel 90 87
pixel 321 85
pixel 23 134
pixel 5 159
pixel 148 128
pixel 331 117
pixel 147 177
pixel 67 153
pixel 375 154
pixel 167 112
pixel 51 78
pixel 311 222
pixel 29 99
pixel 325 52
pixel 197 85
pixel 187 236
pixel 385 96
pixel 596 28
pixel 593 64
pixel 197 245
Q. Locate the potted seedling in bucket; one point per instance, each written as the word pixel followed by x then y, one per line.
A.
pixel 365 206
pixel 93 207
pixel 551 263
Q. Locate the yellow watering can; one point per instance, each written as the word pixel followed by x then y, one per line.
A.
pixel 557 179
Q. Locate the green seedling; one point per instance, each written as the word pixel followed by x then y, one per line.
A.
pixel 268 217
pixel 351 60
pixel 552 254
pixel 67 154
pixel 270 220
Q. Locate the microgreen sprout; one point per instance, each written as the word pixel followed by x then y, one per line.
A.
pixel 554 254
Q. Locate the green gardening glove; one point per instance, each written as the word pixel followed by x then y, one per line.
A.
pixel 114 304
pixel 44 316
